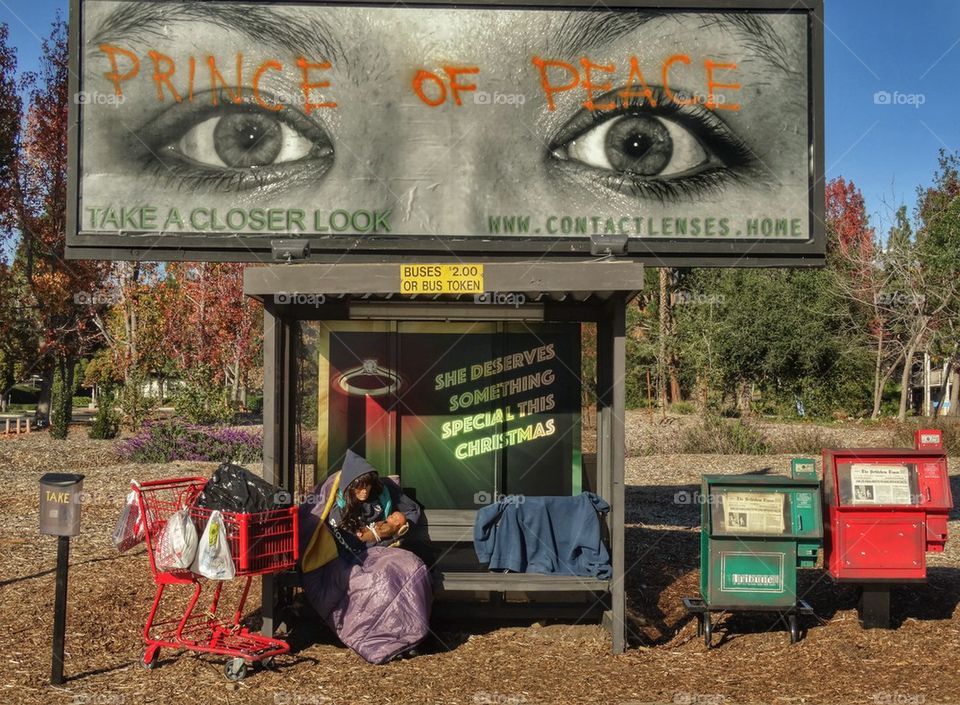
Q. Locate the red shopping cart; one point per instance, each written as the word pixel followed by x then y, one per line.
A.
pixel 260 543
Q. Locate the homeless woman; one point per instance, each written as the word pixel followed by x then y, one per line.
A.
pixel 376 597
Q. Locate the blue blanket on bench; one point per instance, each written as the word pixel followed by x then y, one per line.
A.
pixel 558 535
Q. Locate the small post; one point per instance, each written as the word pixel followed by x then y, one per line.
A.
pixel 60 610
pixel 28 425
pixel 874 606
pixel 60 502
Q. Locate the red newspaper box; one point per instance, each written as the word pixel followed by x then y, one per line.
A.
pixel 884 508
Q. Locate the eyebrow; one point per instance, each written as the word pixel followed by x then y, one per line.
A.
pixel 307 32
pixel 585 30
pixel 578 32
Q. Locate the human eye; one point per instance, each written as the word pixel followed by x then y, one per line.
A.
pixel 234 146
pixel 660 149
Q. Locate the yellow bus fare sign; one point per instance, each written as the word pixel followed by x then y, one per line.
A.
pixel 441 278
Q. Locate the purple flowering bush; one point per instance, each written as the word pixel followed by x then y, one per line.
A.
pixel 169 440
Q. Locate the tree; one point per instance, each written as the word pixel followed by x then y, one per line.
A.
pixel 697 330
pixel 105 425
pixel 773 329
pixel 847 221
pixel 17 333
pixel 866 281
pixel 938 250
pixel 133 323
pixel 54 288
pixel 11 113
pixel 211 323
pixel 60 401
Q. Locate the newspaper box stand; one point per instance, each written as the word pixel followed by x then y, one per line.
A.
pixel 755 531
pixel 884 509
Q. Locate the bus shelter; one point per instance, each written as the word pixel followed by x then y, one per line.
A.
pixel 534 302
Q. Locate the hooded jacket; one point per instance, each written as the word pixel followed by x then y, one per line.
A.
pixel 374 509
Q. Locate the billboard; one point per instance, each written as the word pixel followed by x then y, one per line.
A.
pixel 208 130
pixel 498 412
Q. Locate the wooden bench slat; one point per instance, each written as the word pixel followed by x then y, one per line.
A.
pixel 516 582
pixel 442 533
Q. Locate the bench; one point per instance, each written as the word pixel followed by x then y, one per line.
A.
pixel 16 421
pixel 443 538
pixel 441 531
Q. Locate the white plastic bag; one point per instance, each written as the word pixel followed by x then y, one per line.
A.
pixel 177 543
pixel 213 555
pixel 129 529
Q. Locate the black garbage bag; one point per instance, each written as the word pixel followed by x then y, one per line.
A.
pixel 233 488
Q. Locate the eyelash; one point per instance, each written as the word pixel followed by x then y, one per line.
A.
pixel 192 177
pixel 706 183
pixel 738 162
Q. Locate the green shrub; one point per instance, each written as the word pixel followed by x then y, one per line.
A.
pixel 24 395
pixel 903 436
pixel 683 407
pixel 713 434
pixel 135 406
pixel 80 402
pixel 200 400
pixel 255 403
pixel 807 440
pixel 106 423
pixel 59 402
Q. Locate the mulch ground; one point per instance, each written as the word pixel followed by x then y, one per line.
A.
pixel 753 662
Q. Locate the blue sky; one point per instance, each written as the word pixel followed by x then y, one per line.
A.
pixel 909 51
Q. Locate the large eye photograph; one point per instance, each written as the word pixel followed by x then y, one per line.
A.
pixel 653 149
pixel 233 147
pixel 242 140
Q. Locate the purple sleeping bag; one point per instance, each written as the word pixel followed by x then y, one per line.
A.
pixel 378 605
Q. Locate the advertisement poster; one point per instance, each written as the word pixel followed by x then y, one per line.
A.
pixel 754 512
pixel 880 484
pixel 219 119
pixel 463 413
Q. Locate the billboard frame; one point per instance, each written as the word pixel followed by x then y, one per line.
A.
pixel 157 246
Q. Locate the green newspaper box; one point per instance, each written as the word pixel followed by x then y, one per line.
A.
pixel 756 530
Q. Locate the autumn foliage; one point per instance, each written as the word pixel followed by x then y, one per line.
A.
pixel 136 320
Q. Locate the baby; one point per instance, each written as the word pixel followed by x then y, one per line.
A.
pixel 395 525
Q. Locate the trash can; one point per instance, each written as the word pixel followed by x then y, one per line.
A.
pixel 60 498
pixel 756 530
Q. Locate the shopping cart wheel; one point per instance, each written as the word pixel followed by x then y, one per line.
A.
pixel 235 669
pixel 269 663
pixel 149 658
